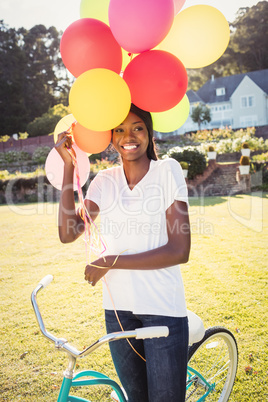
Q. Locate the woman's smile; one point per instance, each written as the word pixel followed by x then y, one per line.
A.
pixel 131 138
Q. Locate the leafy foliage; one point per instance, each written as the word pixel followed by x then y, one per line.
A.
pixel 244 160
pixel 45 124
pixel 14 156
pixel 31 75
pixel 196 160
pixel 230 145
pixel 211 148
pixel 40 154
pixel 261 158
pixel 201 114
pixel 184 165
pixel 211 135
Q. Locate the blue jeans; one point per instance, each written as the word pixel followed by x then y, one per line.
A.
pixel 163 376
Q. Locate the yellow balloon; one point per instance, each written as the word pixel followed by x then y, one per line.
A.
pixel 172 119
pixel 198 37
pixel 100 99
pixel 63 125
pixel 97 9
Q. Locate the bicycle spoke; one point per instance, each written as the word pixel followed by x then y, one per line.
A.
pixel 213 362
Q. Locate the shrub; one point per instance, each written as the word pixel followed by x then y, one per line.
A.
pixel 261 158
pixel 14 156
pixel 101 165
pixel 245 145
pixel 184 165
pixel 221 133
pixel 46 123
pixel 211 148
pixel 23 136
pixel 244 160
pixel 4 138
pixel 40 154
pixel 196 160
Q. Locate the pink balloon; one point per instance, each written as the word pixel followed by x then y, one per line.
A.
pixel 157 80
pixel 54 167
pixel 88 43
pixel 140 25
pixel 178 5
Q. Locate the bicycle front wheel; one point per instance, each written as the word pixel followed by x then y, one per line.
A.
pixel 212 365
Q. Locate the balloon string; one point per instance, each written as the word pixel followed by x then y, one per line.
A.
pixel 87 222
pixel 95 241
pixel 118 319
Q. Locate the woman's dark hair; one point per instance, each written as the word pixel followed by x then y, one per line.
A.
pixel 147 118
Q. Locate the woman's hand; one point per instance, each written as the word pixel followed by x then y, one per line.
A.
pixel 65 141
pixel 93 274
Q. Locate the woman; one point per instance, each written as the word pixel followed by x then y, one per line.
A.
pixel 144 223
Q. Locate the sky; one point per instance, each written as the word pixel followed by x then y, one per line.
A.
pixel 61 13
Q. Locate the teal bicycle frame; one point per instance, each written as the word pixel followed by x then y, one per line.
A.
pixel 98 379
pixel 192 377
pixel 81 379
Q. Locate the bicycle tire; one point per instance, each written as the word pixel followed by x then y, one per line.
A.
pixel 215 359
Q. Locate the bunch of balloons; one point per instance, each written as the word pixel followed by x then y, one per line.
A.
pixel 136 51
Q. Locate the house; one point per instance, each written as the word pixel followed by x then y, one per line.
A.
pixel 238 101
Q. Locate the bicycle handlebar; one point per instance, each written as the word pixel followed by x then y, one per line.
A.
pixel 46 281
pixel 60 343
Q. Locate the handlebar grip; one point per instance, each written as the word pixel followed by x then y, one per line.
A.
pixel 46 280
pixel 151 332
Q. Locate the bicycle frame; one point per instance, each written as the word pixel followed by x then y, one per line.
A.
pixel 70 380
pixel 193 377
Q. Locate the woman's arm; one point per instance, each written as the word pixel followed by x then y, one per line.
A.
pixel 175 251
pixel 70 224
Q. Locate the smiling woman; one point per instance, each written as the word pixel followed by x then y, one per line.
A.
pixel 145 199
pixel 131 139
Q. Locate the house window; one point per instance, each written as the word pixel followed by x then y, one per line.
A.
pixel 247 101
pixel 248 121
pixel 220 91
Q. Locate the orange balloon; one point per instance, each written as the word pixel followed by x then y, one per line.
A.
pixel 91 141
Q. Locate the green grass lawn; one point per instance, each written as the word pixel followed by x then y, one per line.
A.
pixel 225 283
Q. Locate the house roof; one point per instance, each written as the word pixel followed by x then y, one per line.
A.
pixel 207 92
pixel 193 97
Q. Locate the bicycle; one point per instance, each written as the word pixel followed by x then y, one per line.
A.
pixel 211 371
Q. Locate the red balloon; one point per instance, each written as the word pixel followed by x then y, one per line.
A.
pixel 157 80
pixel 88 43
pixel 90 141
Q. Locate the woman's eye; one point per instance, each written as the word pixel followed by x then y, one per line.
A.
pixel 139 128
pixel 118 130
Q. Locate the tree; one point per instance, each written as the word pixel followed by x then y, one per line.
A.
pixel 201 114
pixel 12 59
pixel 46 123
pixel 32 75
pixel 250 37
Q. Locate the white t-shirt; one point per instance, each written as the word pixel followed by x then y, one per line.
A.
pixel 134 221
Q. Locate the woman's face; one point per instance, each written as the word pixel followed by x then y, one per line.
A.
pixel 131 138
